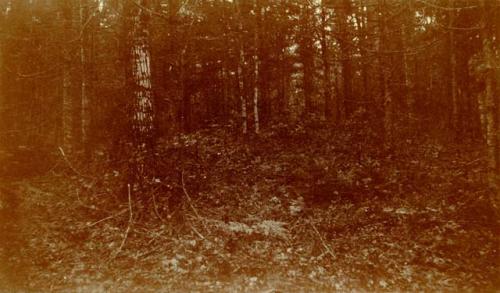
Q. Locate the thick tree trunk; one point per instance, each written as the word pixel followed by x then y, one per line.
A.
pixel 143 95
pixel 490 101
pixel 140 85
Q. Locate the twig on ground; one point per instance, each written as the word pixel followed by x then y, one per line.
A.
pixel 130 220
pixel 326 246
pixel 188 197
pixel 156 207
pixel 198 233
pixel 71 166
pixel 107 218
pixel 191 204
pixel 473 162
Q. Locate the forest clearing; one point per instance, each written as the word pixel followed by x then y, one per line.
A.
pixel 249 146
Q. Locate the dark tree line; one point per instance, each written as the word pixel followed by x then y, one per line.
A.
pixel 97 75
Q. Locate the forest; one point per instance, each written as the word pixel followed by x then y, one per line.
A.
pixel 249 146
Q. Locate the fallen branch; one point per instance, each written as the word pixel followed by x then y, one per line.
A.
pixel 130 220
pixel 198 233
pixel 71 166
pixel 191 205
pixel 156 207
pixel 107 218
pixel 323 242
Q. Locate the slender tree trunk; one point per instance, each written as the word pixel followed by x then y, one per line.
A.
pixel 67 99
pixel 256 94
pixel 407 41
pixel 344 24
pixel 241 63
pixel 3 24
pixel 384 71
pixel 307 58
pixel 453 77
pixel 185 95
pixel 241 91
pixel 363 35
pixel 481 104
pixel 2 89
pixel 283 84
pixel 224 92
pixel 84 99
pixel 256 90
pixel 327 79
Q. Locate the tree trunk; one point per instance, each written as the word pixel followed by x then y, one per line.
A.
pixel 345 52
pixel 407 42
pixel 362 21
pixel 141 88
pixel 327 82
pixel 384 71
pixel 224 92
pixel 453 76
pixel 84 99
pixel 241 64
pixel 241 91
pixel 490 101
pixel 67 99
pixel 2 89
pixel 256 90
pixel 307 58
pixel 185 94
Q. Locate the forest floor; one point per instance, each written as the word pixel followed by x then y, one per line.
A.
pixel 291 211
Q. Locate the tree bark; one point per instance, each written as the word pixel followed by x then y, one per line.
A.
pixel 241 63
pixel 362 20
pixel 490 101
pixel 307 56
pixel 384 70
pixel 140 85
pixel 407 41
pixel 256 89
pixel 84 98
pixel 185 95
pixel 345 52
pixel 67 99
pixel 327 79
pixel 453 76
pixel 2 89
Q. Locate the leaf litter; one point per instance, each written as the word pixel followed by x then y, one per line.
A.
pixel 270 215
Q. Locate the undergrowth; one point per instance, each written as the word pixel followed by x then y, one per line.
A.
pixel 298 209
